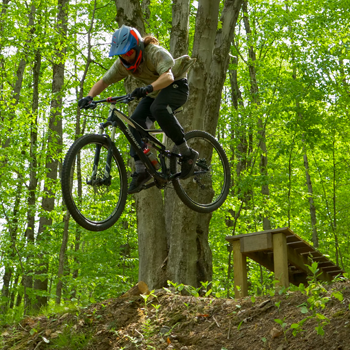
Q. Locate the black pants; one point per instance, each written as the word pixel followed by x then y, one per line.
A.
pixel 160 109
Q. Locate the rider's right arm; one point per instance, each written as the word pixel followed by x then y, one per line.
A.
pixel 116 73
pixel 113 75
pixel 98 88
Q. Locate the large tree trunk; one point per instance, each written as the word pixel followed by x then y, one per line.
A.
pixel 54 140
pixel 190 259
pixel 152 242
pixel 180 28
pixel 129 12
pixel 176 229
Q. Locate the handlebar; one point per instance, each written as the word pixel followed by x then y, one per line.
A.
pixel 121 99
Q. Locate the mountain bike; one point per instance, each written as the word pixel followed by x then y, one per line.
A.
pixel 94 178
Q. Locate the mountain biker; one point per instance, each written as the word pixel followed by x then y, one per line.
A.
pixel 166 90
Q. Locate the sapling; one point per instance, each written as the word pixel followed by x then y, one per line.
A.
pixel 283 326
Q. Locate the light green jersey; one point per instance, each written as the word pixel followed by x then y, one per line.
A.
pixel 156 61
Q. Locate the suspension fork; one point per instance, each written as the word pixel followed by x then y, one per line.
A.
pixel 106 178
pixel 107 174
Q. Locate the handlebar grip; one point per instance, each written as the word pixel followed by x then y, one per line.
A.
pixel 121 99
pixel 91 105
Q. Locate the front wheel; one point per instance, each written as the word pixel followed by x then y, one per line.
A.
pixel 209 186
pixel 94 201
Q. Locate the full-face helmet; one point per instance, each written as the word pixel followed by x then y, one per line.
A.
pixel 126 39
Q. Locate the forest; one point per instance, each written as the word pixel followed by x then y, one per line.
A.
pixel 271 83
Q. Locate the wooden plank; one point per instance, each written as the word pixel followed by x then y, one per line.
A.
pixel 328 268
pixel 280 259
pixel 296 244
pixel 305 249
pixel 285 230
pixel 325 263
pixel 256 243
pixel 319 258
pixel 300 261
pixel 239 270
pixel 262 258
pixel 298 278
pixel 335 272
pixel 313 254
pixel 293 238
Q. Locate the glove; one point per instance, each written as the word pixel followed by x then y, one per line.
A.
pixel 84 102
pixel 142 91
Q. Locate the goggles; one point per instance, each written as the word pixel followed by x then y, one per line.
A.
pixel 129 53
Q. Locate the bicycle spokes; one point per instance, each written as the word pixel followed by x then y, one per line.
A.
pixel 96 185
pixel 207 188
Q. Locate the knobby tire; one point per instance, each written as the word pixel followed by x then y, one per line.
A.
pixel 96 208
pixel 205 191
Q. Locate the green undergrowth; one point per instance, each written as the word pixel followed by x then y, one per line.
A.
pixel 146 320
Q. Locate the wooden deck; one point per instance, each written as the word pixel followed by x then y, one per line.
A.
pixel 281 251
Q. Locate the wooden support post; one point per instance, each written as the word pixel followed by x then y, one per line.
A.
pixel 280 259
pixel 240 270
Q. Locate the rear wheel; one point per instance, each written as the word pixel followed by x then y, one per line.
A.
pixel 209 186
pixel 94 201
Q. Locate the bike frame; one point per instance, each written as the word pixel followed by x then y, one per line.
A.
pixel 116 119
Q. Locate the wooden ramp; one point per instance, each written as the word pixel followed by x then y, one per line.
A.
pixel 281 251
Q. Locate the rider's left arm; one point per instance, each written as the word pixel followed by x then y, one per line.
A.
pixel 163 81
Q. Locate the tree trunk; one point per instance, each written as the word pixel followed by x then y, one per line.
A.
pixel 335 227
pixel 21 66
pixel 33 182
pixel 203 43
pixel 290 182
pixel 311 200
pixel 179 28
pixel 54 140
pixel 190 258
pixel 176 229
pixel 78 131
pixel 14 288
pixel 12 223
pixel 243 150
pixel 23 62
pixel 152 242
pixel 5 291
pixel 62 259
pixel 306 162
pixel 261 127
pixel 129 12
pixel 219 64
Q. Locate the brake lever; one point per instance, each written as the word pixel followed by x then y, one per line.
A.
pixel 127 99
pixel 91 105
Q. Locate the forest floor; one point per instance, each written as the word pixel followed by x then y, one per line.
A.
pixel 315 318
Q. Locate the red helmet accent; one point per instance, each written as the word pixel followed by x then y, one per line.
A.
pixel 132 32
pixel 136 63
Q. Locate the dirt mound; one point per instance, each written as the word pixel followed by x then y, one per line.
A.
pixel 315 318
